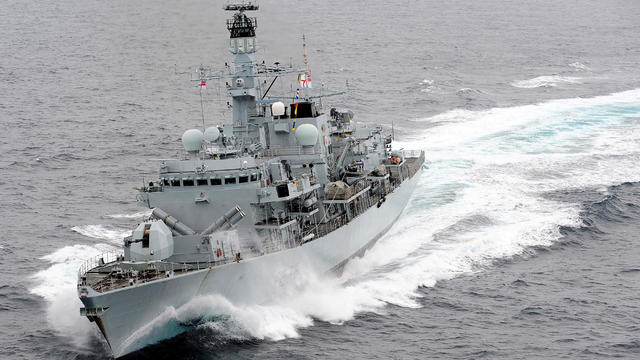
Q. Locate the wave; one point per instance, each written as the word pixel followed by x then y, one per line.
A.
pixel 57 285
pixel 464 91
pixel 579 66
pixel 546 81
pixel 483 199
pixel 427 85
pixel 102 232
pixel 299 304
pixel 137 215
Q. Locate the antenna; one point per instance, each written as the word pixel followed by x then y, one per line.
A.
pixel 241 6
pixel 304 55
pixel 305 87
pixel 201 70
pixel 241 25
pixel 393 134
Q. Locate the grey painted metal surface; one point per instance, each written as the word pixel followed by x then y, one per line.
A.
pixel 245 200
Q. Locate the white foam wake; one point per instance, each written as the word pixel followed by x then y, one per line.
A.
pixel 103 232
pixel 137 215
pixel 483 198
pixel 546 81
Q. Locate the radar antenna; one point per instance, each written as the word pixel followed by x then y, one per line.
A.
pixel 241 25
pixel 241 6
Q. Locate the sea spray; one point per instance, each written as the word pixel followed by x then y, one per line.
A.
pixel 482 199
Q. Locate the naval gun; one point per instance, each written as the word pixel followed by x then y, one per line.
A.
pixel 164 236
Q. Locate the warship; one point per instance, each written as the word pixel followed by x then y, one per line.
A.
pixel 284 188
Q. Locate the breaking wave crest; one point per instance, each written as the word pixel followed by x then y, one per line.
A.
pixel 57 285
pixel 578 66
pixel 545 81
pixel 137 215
pixel 483 199
pixel 103 232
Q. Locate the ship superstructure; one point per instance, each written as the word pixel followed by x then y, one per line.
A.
pixel 283 184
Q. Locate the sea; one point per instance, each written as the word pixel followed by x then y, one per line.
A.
pixel 521 240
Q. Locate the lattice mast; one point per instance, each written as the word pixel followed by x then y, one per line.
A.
pixel 243 46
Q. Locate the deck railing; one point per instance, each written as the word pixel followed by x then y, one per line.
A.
pixel 413 153
pixel 98 260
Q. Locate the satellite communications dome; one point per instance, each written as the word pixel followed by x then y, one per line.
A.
pixel 192 140
pixel 307 135
pixel 211 134
pixel 277 109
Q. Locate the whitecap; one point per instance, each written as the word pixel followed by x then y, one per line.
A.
pixel 137 215
pixel 464 91
pixel 102 232
pixel 579 66
pixel 57 285
pixel 545 81
pixel 429 85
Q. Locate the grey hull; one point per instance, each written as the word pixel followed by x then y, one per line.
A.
pixel 137 316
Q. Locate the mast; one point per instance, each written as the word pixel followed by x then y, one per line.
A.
pixel 242 45
pixel 304 54
pixel 305 89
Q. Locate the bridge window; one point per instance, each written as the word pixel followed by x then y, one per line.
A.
pixel 187 182
pixel 243 179
pixel 203 182
pixel 175 182
pixel 165 182
pixel 254 177
pixel 216 181
pixel 230 180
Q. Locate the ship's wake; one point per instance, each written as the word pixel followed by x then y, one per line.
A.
pixel 482 199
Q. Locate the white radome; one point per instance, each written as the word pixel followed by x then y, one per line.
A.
pixel 192 140
pixel 277 108
pixel 307 135
pixel 211 134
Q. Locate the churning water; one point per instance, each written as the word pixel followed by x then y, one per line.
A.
pixel 520 240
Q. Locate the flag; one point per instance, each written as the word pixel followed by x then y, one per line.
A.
pixel 203 85
pixel 297 93
pixel 295 113
pixel 304 80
